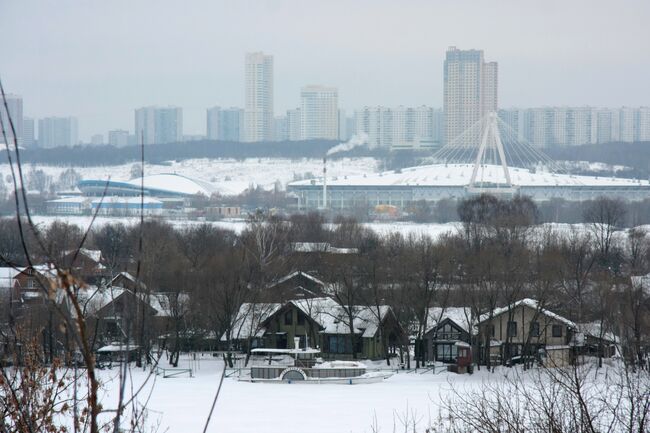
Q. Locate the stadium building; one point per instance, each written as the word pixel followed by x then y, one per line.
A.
pixel 164 194
pixel 493 162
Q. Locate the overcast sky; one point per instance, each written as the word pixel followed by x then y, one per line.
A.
pixel 98 60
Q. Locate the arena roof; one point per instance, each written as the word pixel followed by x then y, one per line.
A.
pixel 460 175
pixel 159 185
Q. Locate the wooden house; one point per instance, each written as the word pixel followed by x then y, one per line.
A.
pixel 319 323
pixel 446 327
pixel 116 313
pixel 86 264
pixel 524 328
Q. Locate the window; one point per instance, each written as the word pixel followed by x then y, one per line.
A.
pixel 493 330
pixel 448 332
pixel 301 319
pixel 288 318
pixel 534 329
pixel 557 330
pixel 338 343
pixel 446 352
pixel 512 329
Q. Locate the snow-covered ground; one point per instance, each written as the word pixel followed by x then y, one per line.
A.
pixel 435 230
pixel 229 176
pixel 182 404
pixel 237 225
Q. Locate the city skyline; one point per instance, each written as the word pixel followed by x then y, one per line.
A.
pixel 125 61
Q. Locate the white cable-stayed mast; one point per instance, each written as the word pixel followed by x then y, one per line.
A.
pixel 491 144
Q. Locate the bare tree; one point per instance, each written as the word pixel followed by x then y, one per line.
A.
pixel 605 215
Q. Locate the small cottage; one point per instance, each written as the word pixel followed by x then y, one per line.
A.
pixel 524 329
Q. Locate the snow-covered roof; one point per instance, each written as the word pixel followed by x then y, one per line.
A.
pixel 249 319
pixel 73 200
pixel 168 305
pixel 124 200
pixel 333 318
pixel 460 175
pixel 46 270
pixel 557 347
pixel 94 299
pixel 298 273
pixel 7 275
pixel 176 183
pixel 116 347
pixel 326 312
pixel 530 303
pixel 321 247
pixel 462 316
pixel 94 255
pixel 593 329
pixel 157 184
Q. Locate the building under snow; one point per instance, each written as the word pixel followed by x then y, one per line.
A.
pixel 488 158
pixel 436 182
pixel 158 185
pixel 163 194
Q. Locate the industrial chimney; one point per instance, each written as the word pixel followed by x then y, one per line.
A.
pixel 325 182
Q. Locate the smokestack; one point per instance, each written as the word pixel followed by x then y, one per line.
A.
pixel 325 182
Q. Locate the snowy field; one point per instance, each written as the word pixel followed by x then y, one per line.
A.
pixel 229 176
pixel 435 230
pixel 237 225
pixel 182 404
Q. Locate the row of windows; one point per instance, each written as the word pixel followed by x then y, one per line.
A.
pixel 511 330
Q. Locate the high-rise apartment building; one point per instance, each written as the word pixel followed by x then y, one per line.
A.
pixel 558 126
pixel 344 133
pixel 15 105
pixel 97 139
pixel 159 125
pixel 400 126
pixel 377 124
pixel 626 124
pixel 231 124
pixel 536 126
pixel 29 132
pixel 604 126
pixel 259 97
pixel 643 124
pixel 490 87
pixel 57 132
pixel 168 125
pixel 319 113
pixel 293 124
pixel 578 126
pixel 513 118
pixel 280 131
pixel 224 124
pixel 212 123
pixel 118 138
pixel 470 90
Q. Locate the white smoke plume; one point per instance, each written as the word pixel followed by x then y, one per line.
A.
pixel 355 141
